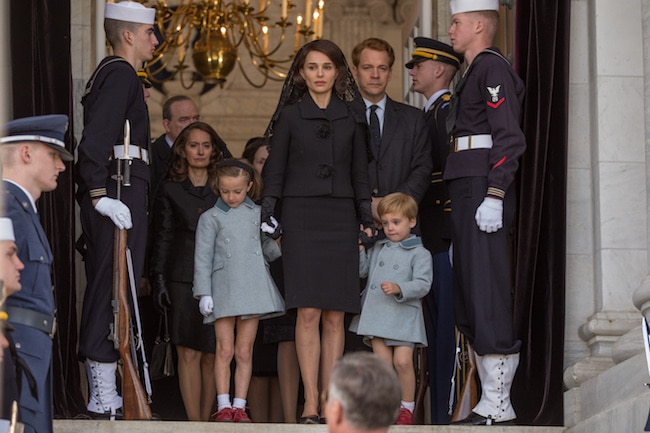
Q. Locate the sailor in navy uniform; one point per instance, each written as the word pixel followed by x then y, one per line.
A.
pixel 32 155
pixel 432 66
pixel 113 95
pixel 485 147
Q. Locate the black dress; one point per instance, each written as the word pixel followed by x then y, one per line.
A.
pixel 177 208
pixel 318 167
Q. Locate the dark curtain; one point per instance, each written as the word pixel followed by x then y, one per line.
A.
pixel 42 84
pixel 542 60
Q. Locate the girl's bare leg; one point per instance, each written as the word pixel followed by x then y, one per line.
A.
pixel 225 333
pixel 246 333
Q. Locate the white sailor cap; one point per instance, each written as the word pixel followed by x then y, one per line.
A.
pixel 6 230
pixel 460 6
pixel 129 11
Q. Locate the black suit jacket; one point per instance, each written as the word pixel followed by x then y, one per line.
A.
pixel 404 160
pixel 160 154
pixel 318 152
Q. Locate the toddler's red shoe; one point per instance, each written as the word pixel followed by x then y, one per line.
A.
pixel 405 417
pixel 224 415
pixel 239 415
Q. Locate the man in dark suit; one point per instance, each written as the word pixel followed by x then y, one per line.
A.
pixel 32 156
pixel 401 152
pixel 178 112
pixel 432 67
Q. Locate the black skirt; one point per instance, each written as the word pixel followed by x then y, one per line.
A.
pixel 186 326
pixel 320 253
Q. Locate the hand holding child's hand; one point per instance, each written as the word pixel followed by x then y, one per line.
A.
pixel 390 288
pixel 206 305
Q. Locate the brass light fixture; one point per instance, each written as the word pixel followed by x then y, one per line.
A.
pixel 213 31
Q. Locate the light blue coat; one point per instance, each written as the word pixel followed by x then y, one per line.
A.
pixel 392 317
pixel 231 263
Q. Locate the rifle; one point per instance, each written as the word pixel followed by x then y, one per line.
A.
pixel 466 369
pixel 135 404
pixel 420 359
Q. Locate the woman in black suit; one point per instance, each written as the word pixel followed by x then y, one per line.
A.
pixel 181 199
pixel 318 169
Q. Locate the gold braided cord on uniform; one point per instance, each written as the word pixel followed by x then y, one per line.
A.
pixel 432 54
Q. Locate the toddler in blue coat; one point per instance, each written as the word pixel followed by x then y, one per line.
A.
pixel 399 271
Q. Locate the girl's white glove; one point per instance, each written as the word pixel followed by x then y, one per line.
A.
pixel 206 305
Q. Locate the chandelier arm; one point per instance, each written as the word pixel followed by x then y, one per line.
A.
pixel 212 30
pixel 274 67
pixel 257 86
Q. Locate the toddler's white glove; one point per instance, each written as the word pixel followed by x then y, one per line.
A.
pixel 206 305
pixel 489 215
pixel 117 211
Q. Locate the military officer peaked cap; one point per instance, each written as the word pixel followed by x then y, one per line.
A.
pixel 132 12
pixel 460 6
pixel 48 129
pixel 431 49
pixel 6 230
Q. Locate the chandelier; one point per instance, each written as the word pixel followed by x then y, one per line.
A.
pixel 219 35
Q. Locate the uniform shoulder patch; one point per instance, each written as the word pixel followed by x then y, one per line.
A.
pixel 495 96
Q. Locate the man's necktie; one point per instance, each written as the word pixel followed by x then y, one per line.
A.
pixel 375 131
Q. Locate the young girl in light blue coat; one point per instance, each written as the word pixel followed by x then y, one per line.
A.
pixel 232 280
pixel 400 272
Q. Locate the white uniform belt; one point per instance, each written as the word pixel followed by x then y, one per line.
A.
pixel 134 152
pixel 482 141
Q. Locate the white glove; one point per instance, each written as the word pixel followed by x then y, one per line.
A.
pixel 489 215
pixel 117 211
pixel 206 305
pixel 266 228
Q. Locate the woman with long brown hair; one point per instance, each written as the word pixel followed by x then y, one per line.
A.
pixel 182 197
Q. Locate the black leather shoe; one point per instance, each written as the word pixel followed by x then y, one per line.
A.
pixel 312 419
pixel 476 419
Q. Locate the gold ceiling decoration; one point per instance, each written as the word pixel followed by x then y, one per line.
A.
pixel 219 35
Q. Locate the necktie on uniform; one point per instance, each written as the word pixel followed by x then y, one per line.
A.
pixel 375 131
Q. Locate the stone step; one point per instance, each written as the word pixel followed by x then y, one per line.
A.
pixel 83 426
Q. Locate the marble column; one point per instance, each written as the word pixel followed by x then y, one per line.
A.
pixel 642 294
pixel 607 194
